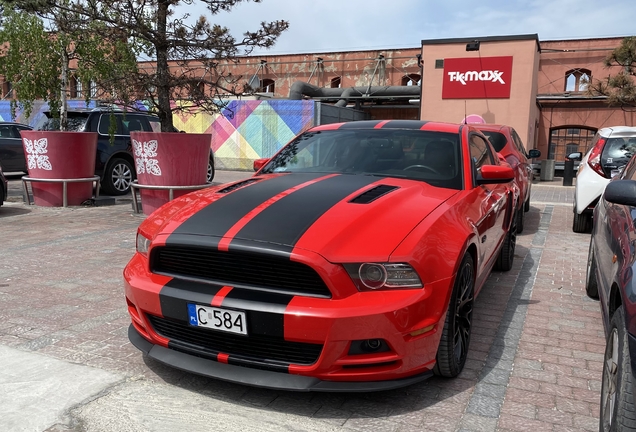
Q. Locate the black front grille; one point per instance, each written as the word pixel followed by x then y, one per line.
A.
pixel 257 348
pixel 239 270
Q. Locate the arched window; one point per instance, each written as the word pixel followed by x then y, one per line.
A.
pixel 336 82
pixel 267 85
pixel 7 90
pixel 412 80
pixel 577 80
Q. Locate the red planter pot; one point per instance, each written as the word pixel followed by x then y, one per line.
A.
pixel 60 155
pixel 169 159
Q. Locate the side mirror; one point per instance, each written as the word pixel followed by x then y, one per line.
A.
pixel 534 153
pixel 490 174
pixel 621 192
pixel 576 156
pixel 258 163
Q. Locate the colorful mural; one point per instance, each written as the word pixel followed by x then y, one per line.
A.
pixel 249 130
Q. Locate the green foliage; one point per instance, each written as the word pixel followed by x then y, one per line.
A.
pixel 620 87
pixel 184 55
pixel 37 58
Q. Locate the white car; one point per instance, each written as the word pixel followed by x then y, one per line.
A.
pixel 611 149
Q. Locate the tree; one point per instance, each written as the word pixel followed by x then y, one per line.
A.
pixel 39 51
pixel 619 88
pixel 186 54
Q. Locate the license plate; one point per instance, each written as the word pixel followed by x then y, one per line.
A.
pixel 217 319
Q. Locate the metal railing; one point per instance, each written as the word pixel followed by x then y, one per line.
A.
pixel 26 179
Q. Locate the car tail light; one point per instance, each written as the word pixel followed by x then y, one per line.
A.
pixel 594 161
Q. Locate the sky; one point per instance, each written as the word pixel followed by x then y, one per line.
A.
pixel 346 25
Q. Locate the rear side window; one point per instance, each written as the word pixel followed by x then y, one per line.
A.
pixel 616 153
pixel 76 123
pixel 497 139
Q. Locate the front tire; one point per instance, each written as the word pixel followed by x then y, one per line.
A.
pixel 210 174
pixel 617 401
pixel 591 284
pixel 118 176
pixel 453 346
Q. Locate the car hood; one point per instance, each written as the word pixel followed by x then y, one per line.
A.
pixel 341 217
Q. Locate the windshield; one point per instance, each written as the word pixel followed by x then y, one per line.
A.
pixel 433 157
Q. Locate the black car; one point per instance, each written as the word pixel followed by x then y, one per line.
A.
pixel 4 187
pixel 610 277
pixel 11 151
pixel 114 161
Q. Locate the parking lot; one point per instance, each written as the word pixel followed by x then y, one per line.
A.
pixel 535 357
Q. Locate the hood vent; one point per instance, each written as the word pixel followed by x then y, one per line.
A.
pixel 235 186
pixel 373 194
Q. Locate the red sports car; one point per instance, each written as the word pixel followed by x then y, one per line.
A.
pixel 507 143
pixel 350 261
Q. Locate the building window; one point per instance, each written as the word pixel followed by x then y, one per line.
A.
pixel 577 80
pixel 411 80
pixel 563 141
pixel 267 85
pixel 201 88
pixel 93 89
pixel 7 90
pixel 336 82
pixel 76 87
pixel 439 64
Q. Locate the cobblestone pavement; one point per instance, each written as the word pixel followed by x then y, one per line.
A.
pixel 535 357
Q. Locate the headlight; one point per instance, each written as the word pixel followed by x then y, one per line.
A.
pixel 373 276
pixel 143 244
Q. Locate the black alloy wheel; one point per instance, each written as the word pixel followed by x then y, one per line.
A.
pixel 453 346
pixel 591 284
pixel 618 412
pixel 118 177
pixel 210 174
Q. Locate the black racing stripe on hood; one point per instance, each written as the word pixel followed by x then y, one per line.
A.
pixel 176 294
pixel 265 310
pixel 404 124
pixel 285 221
pixel 218 217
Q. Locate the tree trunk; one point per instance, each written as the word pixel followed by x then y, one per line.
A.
pixel 64 85
pixel 163 78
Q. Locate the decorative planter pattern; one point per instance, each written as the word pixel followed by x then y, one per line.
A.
pixel 169 159
pixel 60 155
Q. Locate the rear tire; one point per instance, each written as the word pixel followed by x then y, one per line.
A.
pixel 507 252
pixel 591 284
pixel 118 176
pixel 618 412
pixel 453 346
pixel 521 215
pixel 526 205
pixel 581 222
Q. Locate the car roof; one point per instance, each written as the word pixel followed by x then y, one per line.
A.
pixel 489 126
pixel 393 124
pixel 618 131
pixel 14 123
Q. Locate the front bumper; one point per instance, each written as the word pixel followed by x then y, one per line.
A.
pixel 408 322
pixel 261 378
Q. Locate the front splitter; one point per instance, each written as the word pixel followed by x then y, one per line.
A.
pixel 261 378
